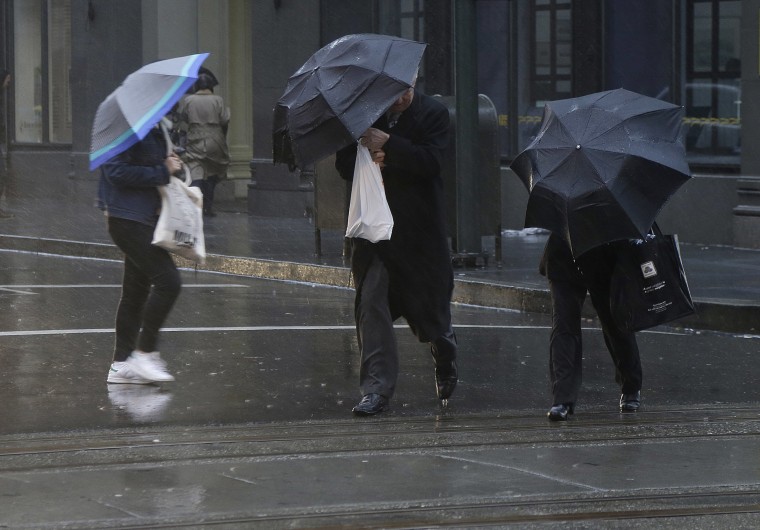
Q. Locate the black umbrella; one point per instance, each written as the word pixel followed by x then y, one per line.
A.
pixel 602 166
pixel 339 93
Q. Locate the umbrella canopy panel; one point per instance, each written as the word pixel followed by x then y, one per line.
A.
pixel 339 93
pixel 145 96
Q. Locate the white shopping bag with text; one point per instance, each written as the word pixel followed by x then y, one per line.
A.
pixel 180 224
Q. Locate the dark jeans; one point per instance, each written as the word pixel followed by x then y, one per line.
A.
pixel 149 289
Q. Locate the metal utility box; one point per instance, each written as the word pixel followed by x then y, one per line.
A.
pixel 486 173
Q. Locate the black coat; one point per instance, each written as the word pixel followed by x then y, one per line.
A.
pixel 593 267
pixel 417 256
pixel 557 262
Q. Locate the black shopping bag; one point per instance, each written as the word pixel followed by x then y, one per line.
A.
pixel 648 286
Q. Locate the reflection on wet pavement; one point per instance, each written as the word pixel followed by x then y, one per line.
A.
pixel 141 403
pixel 246 350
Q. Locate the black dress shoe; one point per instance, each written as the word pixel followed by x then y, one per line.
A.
pixel 630 402
pixel 371 404
pixel 446 378
pixel 560 412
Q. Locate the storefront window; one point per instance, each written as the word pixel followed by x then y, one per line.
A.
pixel 702 31
pixel 493 65
pixel 27 46
pixel 42 61
pixel 59 66
pixel 712 88
pixel 553 51
pixel 543 62
pixel 405 18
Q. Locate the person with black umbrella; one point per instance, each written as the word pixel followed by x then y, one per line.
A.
pixel 360 88
pixel 599 171
pixel 569 280
pixel 411 274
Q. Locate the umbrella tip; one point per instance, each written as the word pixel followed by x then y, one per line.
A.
pixel 578 146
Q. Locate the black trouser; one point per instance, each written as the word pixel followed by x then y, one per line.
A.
pixel 150 286
pixel 207 187
pixel 377 341
pixel 565 349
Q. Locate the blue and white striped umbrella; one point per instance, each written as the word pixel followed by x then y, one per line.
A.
pixel 145 96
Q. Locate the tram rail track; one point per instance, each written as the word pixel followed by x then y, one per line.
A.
pixel 250 441
pixel 647 510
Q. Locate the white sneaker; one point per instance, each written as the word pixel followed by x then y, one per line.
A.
pixel 149 366
pixel 120 372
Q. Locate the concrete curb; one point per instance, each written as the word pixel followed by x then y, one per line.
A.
pixel 732 316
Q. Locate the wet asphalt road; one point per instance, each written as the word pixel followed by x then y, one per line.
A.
pixel 257 430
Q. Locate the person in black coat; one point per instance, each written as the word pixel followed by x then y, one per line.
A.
pixel 410 275
pixel 569 280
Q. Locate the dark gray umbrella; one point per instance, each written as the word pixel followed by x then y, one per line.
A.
pixel 602 167
pixel 339 93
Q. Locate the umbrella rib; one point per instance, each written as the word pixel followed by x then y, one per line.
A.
pixel 362 67
pixel 384 62
pixel 377 74
pixel 177 86
pixel 623 122
pixel 344 88
pixel 140 124
pixel 359 94
pixel 642 114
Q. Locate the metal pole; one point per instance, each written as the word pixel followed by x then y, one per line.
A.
pixel 466 101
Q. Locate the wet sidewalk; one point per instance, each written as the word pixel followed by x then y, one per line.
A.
pixel 257 430
pixel 725 282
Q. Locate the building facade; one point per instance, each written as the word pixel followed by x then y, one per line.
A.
pixel 68 55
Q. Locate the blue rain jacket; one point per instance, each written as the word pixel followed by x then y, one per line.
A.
pixel 128 182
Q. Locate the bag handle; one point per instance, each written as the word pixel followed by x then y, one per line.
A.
pixel 170 149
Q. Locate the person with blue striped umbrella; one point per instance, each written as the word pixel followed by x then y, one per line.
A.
pixel 131 150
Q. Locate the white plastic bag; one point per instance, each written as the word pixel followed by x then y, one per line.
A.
pixel 369 216
pixel 180 224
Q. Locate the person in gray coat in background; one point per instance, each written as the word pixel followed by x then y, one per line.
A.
pixel 204 120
